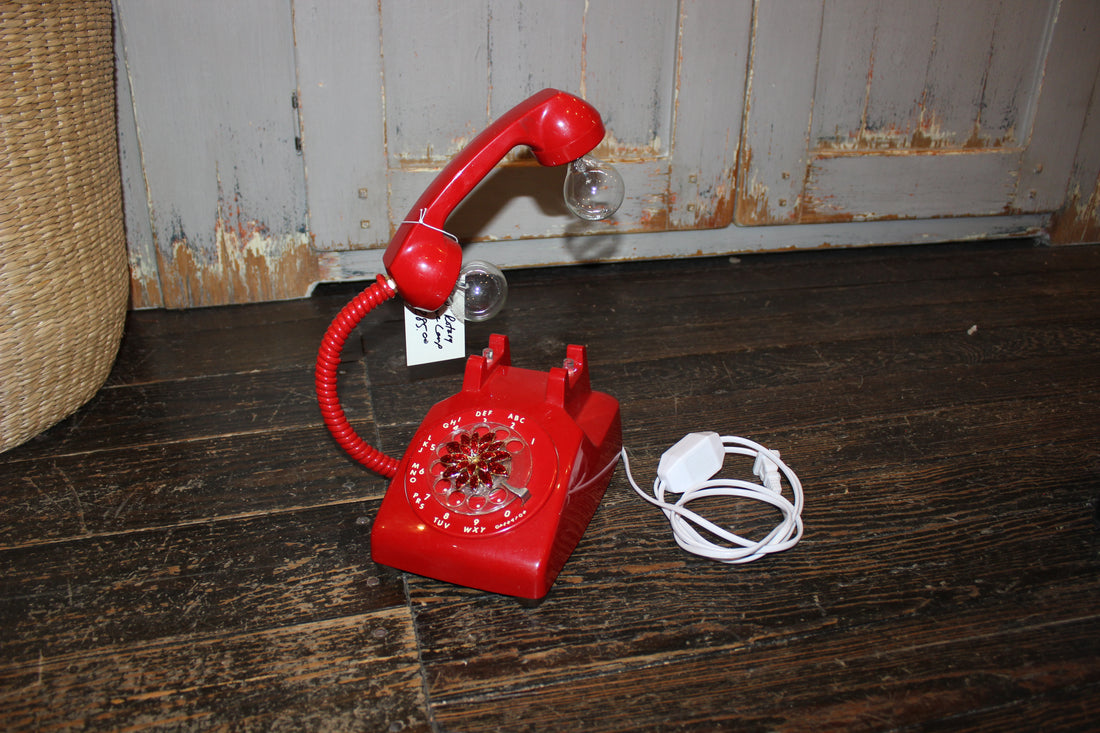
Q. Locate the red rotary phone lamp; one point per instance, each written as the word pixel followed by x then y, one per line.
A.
pixel 502 478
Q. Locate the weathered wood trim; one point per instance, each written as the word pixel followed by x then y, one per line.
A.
pixel 1061 108
pixel 908 186
pixel 365 264
pixel 216 129
pixel 915 109
pixel 341 105
pixel 710 99
pixel 141 248
pixel 1078 221
pixel 778 111
pixel 250 264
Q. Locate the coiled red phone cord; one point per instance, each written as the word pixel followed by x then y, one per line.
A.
pixel 328 362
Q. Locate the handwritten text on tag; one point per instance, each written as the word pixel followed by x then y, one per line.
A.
pixel 429 338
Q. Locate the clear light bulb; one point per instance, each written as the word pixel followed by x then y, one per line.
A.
pixel 593 190
pixel 480 291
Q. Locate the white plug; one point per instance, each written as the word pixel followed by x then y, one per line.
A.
pixel 767 471
pixel 696 458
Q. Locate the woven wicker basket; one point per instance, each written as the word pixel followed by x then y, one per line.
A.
pixel 63 278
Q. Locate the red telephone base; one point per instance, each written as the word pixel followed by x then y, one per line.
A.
pixel 501 480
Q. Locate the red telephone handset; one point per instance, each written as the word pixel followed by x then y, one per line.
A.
pixel 502 479
pixel 423 261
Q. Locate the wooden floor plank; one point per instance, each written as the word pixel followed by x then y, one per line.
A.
pixel 51 498
pixel 859 680
pixel 190 409
pixel 352 673
pixel 910 526
pixel 908 367
pixel 804 271
pixel 191 549
pixel 238 575
pixel 730 329
pixel 161 345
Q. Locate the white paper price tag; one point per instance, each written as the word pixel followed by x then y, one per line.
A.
pixel 436 337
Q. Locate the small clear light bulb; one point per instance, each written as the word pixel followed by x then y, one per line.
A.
pixel 480 291
pixel 593 190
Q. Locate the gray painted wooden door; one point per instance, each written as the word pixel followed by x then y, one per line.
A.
pixel 270 144
pixel 214 184
pixel 391 90
pixel 884 109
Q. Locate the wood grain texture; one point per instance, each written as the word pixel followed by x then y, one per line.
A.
pixel 1070 74
pixel 337 51
pixel 668 80
pixel 935 680
pixel 707 135
pixel 1078 220
pixel 350 673
pixel 261 141
pixel 212 98
pixel 893 109
pixel 191 551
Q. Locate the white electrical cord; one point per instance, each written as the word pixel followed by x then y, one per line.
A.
pixel 688 468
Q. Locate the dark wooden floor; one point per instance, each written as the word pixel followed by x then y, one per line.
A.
pixel 190 550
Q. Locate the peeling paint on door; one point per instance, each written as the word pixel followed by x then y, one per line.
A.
pixel 926 135
pixel 144 282
pixel 215 115
pixel 753 205
pixel 867 110
pixel 248 263
pixel 1079 221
